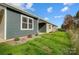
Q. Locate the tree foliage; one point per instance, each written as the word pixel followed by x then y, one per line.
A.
pixel 77 14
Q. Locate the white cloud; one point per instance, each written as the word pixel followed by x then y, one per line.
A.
pixel 59 16
pixel 68 4
pixel 65 9
pixel 46 18
pixel 50 9
pixel 17 4
pixel 29 5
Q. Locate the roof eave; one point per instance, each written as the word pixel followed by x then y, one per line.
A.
pixel 23 11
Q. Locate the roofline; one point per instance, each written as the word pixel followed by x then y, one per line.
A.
pixel 11 6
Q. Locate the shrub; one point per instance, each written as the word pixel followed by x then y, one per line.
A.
pixel 17 39
pixel 61 29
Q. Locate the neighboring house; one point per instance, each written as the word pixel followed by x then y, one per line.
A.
pixel 15 22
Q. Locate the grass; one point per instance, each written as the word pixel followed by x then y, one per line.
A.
pixel 57 43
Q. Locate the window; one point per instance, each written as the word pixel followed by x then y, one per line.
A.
pixel 30 23
pixel 26 23
pixel 49 26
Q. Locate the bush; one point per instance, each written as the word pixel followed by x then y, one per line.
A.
pixel 61 29
pixel 17 39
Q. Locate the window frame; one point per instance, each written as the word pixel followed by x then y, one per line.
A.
pixel 31 23
pixel 27 23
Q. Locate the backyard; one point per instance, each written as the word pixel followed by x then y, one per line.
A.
pixel 56 43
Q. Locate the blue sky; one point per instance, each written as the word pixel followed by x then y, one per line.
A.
pixel 52 12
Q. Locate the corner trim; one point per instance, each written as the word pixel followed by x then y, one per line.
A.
pixel 5 23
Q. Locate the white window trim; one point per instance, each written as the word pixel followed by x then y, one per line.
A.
pixel 27 23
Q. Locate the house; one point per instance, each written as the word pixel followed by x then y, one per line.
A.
pixel 15 22
pixel 54 28
pixel 44 26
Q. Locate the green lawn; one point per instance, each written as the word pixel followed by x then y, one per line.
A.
pixel 51 43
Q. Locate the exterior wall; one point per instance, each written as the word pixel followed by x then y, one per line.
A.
pixel 14 25
pixel 48 29
pixel 2 26
pixel 54 28
pixel 42 27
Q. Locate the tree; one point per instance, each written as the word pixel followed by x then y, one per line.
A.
pixel 77 14
pixel 67 22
